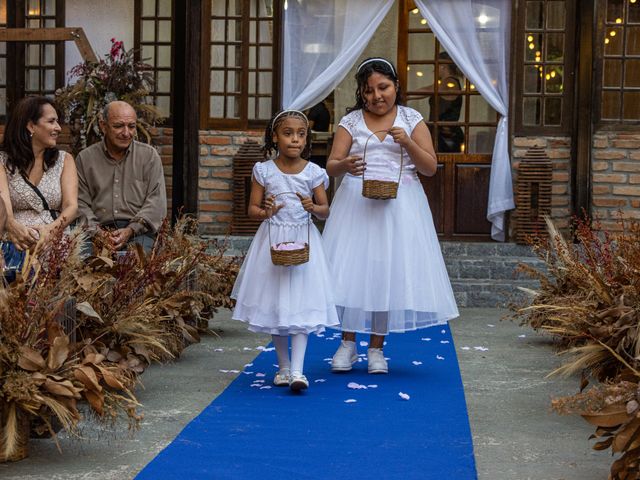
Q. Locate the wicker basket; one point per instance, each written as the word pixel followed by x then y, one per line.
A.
pixel 22 445
pixel 288 258
pixel 380 189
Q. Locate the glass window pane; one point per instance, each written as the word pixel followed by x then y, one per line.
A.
pixel 555 47
pixel 416 20
pixel 164 31
pixel 217 56
pixel 633 41
pixel 49 54
pixel 613 41
pixel 148 54
pixel 164 8
pixel 33 8
pixel 420 77
pixel 163 82
pixel 49 80
pixel 555 15
pixel 49 7
pixel 632 73
pixel 251 107
pixel 532 79
pixel 218 7
pixel 533 47
pixel 265 31
pixel 265 57
pixel 234 30
pixel 164 104
pixel 33 54
pixel 234 59
pixel 3 48
pixel 614 10
pixel 480 110
pixel 252 58
pixel 264 108
pixel 552 111
pixel 553 80
pixel 233 107
pixel 634 13
pixel 422 46
pixel 531 111
pixel 49 23
pixel 33 80
pixel 217 30
pixel 149 8
pixel 612 73
pixel 3 71
pixel 148 31
pixel 610 105
pixel 481 139
pixel 264 83
pixel 216 106
pixel 534 15
pixel 164 56
pixel 234 81
pixel 216 83
pixel 252 83
pixel 3 12
pixel 631 106
pixel 33 23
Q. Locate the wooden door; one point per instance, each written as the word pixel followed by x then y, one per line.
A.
pixel 462 127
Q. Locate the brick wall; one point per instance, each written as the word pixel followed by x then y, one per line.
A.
pixel 215 186
pixel 559 152
pixel 616 177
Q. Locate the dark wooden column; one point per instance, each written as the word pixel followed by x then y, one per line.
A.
pixel 582 138
pixel 185 105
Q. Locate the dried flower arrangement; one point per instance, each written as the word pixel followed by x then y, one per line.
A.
pixel 116 77
pixel 132 309
pixel 589 299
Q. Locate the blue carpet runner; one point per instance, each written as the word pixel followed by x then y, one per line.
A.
pixel 337 428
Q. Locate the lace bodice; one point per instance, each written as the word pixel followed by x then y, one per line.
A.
pixel 382 157
pixel 275 181
pixel 27 206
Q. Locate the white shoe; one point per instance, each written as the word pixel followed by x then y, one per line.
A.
pixel 377 362
pixel 282 378
pixel 345 357
pixel 298 382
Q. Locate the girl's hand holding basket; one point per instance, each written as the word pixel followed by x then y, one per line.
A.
pixel 355 165
pixel 307 202
pixel 271 207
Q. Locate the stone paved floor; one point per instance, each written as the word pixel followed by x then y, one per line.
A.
pixel 516 437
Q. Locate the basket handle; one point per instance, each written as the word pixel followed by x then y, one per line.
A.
pixel 269 220
pixel 364 154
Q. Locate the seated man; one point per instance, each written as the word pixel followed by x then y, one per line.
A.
pixel 121 181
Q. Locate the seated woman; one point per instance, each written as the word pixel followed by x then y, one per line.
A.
pixel 38 182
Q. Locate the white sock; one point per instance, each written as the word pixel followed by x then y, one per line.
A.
pixel 298 349
pixel 281 342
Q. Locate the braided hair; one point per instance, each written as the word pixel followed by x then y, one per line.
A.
pixel 364 71
pixel 270 147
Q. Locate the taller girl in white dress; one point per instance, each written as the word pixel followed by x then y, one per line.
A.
pixel 388 271
pixel 286 300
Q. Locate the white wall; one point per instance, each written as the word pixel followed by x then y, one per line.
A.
pixel 101 20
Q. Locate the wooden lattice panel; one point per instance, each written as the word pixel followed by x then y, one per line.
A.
pixel 533 194
pixel 249 154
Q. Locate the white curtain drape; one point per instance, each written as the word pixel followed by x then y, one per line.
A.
pixel 322 40
pixel 475 33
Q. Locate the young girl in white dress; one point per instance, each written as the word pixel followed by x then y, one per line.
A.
pixel 388 270
pixel 286 301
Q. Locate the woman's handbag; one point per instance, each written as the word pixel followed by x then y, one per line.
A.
pixel 13 260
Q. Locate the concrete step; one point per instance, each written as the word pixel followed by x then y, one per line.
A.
pixel 483 274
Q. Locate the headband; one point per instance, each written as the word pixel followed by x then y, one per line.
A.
pixel 297 112
pixel 377 59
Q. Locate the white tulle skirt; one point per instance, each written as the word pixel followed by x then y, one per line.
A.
pixel 387 266
pixel 285 300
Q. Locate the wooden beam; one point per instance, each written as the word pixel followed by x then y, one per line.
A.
pixel 581 171
pixel 185 105
pixel 75 34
